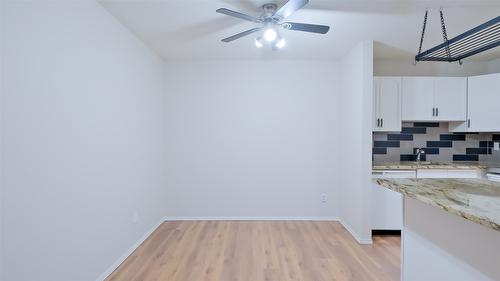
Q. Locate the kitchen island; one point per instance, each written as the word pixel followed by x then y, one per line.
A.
pixel 451 228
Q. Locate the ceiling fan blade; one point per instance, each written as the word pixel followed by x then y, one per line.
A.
pixel 238 15
pixel 242 34
pixel 290 7
pixel 314 28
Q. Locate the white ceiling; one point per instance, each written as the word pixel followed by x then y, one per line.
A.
pixel 191 29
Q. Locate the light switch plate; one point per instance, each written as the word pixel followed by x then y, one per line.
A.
pixel 496 146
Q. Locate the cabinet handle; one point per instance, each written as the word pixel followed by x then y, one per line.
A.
pixel 433 111
pixel 382 122
pixel 468 123
pixel 437 111
pixel 378 122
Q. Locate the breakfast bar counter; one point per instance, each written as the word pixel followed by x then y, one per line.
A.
pixel 451 228
pixel 477 200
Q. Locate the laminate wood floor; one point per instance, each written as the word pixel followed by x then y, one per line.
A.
pixel 258 251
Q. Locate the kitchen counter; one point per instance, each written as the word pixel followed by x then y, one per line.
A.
pixel 477 200
pixel 429 165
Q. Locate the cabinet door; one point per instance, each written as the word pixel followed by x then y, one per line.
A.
pixel 390 103
pixel 450 98
pixel 418 99
pixel 483 103
pixel 376 104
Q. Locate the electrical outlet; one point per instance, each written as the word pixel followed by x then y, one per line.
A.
pixel 135 217
pixel 324 198
pixel 496 146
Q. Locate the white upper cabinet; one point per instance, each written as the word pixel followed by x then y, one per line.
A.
pixel 450 98
pixel 434 98
pixel 483 105
pixel 418 98
pixel 387 104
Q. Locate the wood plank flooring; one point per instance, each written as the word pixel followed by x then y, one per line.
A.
pixel 255 251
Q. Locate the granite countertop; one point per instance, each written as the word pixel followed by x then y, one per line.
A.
pixel 477 200
pixel 429 165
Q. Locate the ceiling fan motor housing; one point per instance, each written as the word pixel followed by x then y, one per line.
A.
pixel 269 10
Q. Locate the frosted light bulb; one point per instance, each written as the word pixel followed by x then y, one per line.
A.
pixel 270 35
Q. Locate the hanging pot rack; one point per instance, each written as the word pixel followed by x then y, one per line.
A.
pixel 479 39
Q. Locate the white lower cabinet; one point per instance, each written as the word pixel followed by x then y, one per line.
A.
pixel 387 213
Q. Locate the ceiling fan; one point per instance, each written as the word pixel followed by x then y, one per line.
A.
pixel 271 20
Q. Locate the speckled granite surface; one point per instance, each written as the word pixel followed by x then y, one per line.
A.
pixel 477 200
pixel 428 165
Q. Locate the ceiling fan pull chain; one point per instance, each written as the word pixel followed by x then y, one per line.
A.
pixel 445 35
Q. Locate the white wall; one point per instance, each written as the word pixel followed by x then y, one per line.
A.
pixel 1 137
pixel 253 139
pixel 494 66
pixel 84 138
pixel 355 113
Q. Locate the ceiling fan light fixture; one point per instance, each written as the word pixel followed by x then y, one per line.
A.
pixel 270 21
pixel 280 44
pixel 270 34
pixel 258 42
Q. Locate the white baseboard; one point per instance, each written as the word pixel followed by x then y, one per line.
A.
pixel 225 218
pixel 123 257
pixel 364 241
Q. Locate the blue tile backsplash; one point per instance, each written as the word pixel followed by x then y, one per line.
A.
pixel 438 143
pixel 400 137
pixel 386 144
pixel 453 137
pixel 465 157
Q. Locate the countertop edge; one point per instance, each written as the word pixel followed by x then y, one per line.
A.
pixel 378 167
pixel 479 220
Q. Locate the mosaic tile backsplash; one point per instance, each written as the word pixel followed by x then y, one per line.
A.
pixel 438 143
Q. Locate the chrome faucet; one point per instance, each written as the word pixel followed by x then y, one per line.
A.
pixel 419 151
